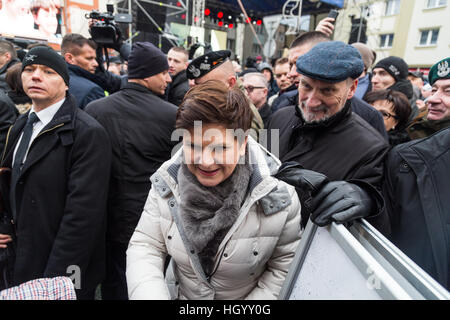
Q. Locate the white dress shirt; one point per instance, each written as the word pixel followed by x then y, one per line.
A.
pixel 45 116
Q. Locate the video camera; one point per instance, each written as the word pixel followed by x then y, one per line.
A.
pixel 104 30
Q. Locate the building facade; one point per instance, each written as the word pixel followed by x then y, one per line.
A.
pixel 415 30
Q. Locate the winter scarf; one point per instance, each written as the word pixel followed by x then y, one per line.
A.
pixel 207 213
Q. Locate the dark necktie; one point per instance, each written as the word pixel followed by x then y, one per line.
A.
pixel 20 155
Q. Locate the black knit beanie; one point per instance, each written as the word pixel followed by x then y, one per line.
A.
pixel 395 66
pixel 146 60
pixel 47 57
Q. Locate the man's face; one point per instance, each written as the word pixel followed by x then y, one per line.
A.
pixel 381 79
pixel 4 58
pixel 86 59
pixel 418 82
pixel 43 85
pixel 177 62
pixel 439 101
pixel 281 76
pixel 158 83
pixel 294 54
pixel 256 90
pixel 319 100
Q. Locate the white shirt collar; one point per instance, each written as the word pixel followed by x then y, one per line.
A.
pixel 46 115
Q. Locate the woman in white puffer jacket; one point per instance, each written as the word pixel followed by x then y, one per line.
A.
pixel 230 228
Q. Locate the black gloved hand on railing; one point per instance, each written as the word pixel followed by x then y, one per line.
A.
pixel 341 202
pixel 324 201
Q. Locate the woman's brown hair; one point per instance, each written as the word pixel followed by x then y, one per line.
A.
pixel 14 78
pixel 214 102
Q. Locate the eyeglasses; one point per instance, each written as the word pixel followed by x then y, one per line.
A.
pixel 387 114
pixel 251 88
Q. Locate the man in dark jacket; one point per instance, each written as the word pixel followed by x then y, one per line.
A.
pixel 299 47
pixel 139 124
pixel 322 133
pixel 60 159
pixel 177 58
pixel 8 58
pixel 8 115
pixel 88 81
pixel 417 190
pixel 392 73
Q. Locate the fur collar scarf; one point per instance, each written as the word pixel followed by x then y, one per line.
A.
pixel 207 213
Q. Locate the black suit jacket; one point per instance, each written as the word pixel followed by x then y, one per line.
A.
pixel 61 196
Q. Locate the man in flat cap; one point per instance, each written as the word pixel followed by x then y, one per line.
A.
pixel 299 47
pixel 216 65
pixel 438 116
pixel 60 159
pixel 322 133
pixel 139 124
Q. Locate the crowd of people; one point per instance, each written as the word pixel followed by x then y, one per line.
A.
pixel 176 178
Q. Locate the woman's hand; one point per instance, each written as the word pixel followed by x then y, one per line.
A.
pixel 4 239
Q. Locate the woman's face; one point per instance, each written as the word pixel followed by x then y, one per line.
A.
pixel 47 21
pixel 387 110
pixel 211 153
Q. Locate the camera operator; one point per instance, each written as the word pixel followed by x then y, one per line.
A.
pixel 88 78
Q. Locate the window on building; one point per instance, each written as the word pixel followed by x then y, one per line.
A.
pixel 429 37
pixel 386 40
pixel 436 3
pixel 392 7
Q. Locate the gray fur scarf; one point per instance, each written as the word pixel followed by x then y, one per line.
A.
pixel 207 213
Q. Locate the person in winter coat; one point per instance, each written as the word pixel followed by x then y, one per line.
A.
pixel 391 73
pixel 216 65
pixel 267 71
pixel 8 58
pixel 178 61
pixel 395 108
pixel 88 79
pixel 139 125
pixel 322 133
pixel 438 116
pixel 230 228
pixel 16 94
pixel 300 46
pixel 60 160
pixel 416 190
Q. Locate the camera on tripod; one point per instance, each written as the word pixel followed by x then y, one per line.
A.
pixel 104 30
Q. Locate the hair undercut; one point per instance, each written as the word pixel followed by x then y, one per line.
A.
pixel 73 42
pixel 6 46
pixel 312 38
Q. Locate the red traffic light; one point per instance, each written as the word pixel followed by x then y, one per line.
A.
pixel 230 25
pixel 259 22
pixel 220 23
pixel 207 12
pixel 220 15
pixel 248 20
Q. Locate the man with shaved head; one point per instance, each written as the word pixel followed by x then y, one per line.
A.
pixel 216 65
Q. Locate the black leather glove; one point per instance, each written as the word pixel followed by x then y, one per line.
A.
pixel 306 182
pixel 340 201
pixel 303 179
